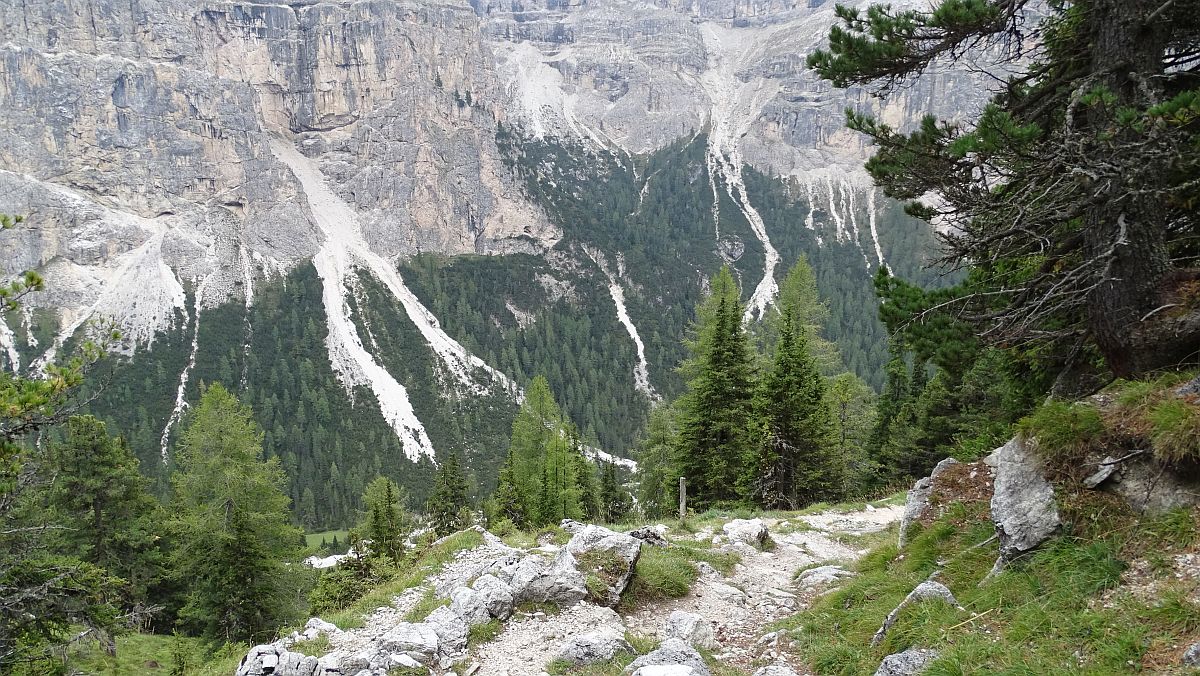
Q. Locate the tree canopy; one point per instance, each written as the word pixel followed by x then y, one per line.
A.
pixel 1074 193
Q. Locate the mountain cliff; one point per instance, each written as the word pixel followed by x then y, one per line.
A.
pixel 380 218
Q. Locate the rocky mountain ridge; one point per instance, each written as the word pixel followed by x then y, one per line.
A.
pixel 154 148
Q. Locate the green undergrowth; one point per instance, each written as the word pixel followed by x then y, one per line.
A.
pixel 641 645
pixel 156 653
pixel 428 603
pixel 482 633
pixel 1059 611
pixel 426 564
pixel 1127 415
pixel 669 572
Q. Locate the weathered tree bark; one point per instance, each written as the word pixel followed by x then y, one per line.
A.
pixel 1129 242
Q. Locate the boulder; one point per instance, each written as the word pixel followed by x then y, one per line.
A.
pixel 1023 506
pixel 918 498
pixel 655 536
pixel 607 556
pixel 594 646
pixel 672 652
pixel 691 628
pixel 926 591
pixel 470 605
pixel 451 629
pixel 908 663
pixel 749 531
pixel 776 670
pixel 271 659
pixel 559 582
pixel 822 575
pixel 728 592
pixel 418 641
pixel 496 595
pixel 666 670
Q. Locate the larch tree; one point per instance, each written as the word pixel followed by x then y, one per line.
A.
pixel 236 552
pixel 1074 194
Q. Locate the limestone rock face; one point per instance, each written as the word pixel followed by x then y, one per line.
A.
pixel 1023 506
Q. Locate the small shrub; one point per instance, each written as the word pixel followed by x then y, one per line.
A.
pixel 1063 429
pixel 1175 430
pixel 641 643
pixel 502 526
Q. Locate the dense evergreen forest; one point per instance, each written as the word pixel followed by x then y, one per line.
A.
pixel 646 222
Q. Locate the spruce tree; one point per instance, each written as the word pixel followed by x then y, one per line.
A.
pixel 716 441
pixel 798 293
pixel 507 501
pixel 109 515
pixel 794 466
pixel 384 521
pixel 448 499
pixel 235 550
pixel 615 500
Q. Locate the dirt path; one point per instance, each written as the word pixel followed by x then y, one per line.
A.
pixel 759 591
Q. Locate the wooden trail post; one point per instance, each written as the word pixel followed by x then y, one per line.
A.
pixel 682 498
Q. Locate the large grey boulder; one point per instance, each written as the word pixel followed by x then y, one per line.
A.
pixel 752 532
pixel 918 498
pixel 418 641
pixel 672 652
pixel 601 645
pixel 451 629
pixel 271 659
pixel 470 605
pixel 926 591
pixel 908 663
pixel 607 556
pixel 691 628
pixel 558 582
pixel 1023 506
pixel 496 596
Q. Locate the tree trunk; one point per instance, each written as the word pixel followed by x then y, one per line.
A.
pixel 1129 242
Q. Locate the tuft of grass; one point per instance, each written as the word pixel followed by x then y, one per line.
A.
pixel 641 643
pixel 1062 429
pixel 428 603
pixel 1175 430
pixel 429 561
pixel 660 573
pixel 314 647
pixel 482 633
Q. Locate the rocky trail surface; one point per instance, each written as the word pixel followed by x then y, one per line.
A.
pixel 552 603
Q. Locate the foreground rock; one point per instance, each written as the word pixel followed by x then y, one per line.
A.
pixel 1023 506
pixel 918 498
pixel 926 591
pixel 822 575
pixel 595 646
pixel 751 532
pixel 691 628
pixel 672 653
pixel 605 557
pixel 908 663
